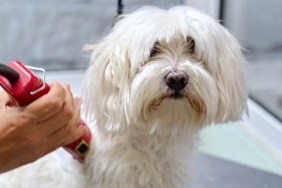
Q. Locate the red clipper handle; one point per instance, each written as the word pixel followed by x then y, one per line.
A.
pixel 27 89
pixel 80 147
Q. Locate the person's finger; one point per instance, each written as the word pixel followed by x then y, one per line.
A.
pixel 73 104
pixel 76 119
pixel 45 145
pixel 60 138
pixel 48 104
pixel 65 118
pixel 69 115
pixel 5 99
pixel 69 97
pixel 65 136
pixel 77 102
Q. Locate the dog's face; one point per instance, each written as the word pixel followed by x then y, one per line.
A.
pixel 176 69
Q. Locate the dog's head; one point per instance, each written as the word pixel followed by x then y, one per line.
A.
pixel 165 68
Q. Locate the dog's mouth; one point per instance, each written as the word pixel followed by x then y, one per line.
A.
pixel 196 104
pixel 176 95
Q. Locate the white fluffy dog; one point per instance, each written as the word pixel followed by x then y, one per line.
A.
pixel 153 83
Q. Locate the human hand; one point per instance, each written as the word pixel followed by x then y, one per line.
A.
pixel 30 132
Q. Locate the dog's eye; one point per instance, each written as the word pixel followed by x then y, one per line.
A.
pixel 155 50
pixel 190 46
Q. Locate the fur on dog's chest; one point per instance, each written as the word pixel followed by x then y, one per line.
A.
pixel 138 161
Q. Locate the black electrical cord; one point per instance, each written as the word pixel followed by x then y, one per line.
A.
pixel 9 73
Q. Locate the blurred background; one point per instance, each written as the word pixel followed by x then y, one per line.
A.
pixel 51 34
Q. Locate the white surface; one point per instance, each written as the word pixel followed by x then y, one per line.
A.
pixel 255 141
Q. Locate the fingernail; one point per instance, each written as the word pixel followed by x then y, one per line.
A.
pixel 84 126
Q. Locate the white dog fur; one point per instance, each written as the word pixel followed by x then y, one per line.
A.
pixel 145 126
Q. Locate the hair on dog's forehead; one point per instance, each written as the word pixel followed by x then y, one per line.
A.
pixel 144 27
pixel 163 24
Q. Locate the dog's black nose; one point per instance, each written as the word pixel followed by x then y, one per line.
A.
pixel 176 80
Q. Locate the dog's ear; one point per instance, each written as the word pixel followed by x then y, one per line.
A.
pixel 105 86
pixel 230 77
